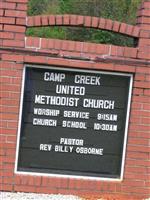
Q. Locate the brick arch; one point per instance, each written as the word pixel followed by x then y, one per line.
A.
pixel 83 21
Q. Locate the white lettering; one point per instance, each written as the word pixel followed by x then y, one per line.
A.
pixel 107 117
pixel 68 89
pixel 47 112
pixel 44 122
pixel 74 124
pixel 94 151
pixel 45 147
pixel 56 100
pixel 88 80
pixel 105 127
pixel 76 114
pixel 54 77
pixel 97 103
pixel 71 141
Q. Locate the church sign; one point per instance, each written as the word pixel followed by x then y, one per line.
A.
pixel 73 122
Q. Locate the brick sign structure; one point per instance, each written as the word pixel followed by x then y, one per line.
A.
pixel 74 115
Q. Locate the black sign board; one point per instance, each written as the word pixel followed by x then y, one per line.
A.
pixel 73 122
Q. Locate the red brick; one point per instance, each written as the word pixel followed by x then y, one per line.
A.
pixel 146 4
pixel 7 5
pixel 38 181
pixel 1 12
pixel 147 183
pixel 50 43
pixel 32 42
pixel 7 20
pixel 30 21
pixel 46 190
pixel 8 131
pixel 10 65
pixel 24 188
pixel 5 80
pixel 102 49
pixel 44 43
pixel 145 120
pixel 102 23
pixel 87 21
pixel 138 141
pixel 145 27
pixel 134 183
pixel 71 46
pixel 44 20
pixel 123 28
pixel 80 20
pixel 66 19
pixel 73 20
pixel 51 19
pixel 95 22
pixel 129 29
pixel 19 36
pixel 140 77
pixel 144 20
pixel 138 149
pixel 145 70
pixel 58 44
pixel 6 35
pixel 3 138
pixel 125 68
pixel 136 31
pixel 138 91
pixel 18 1
pixel 12 124
pixel 140 113
pixel 9 116
pixel 144 34
pixel 13 57
pixel 12 28
pixel 140 128
pixel 143 55
pixel 117 51
pixel 6 187
pixel 21 6
pixel 59 19
pixel 37 21
pixel 147 92
pixel 130 52
pixel 92 48
pixel 105 66
pixel 12 109
pixel 1 27
pixel 116 26
pixel 147 77
pixel 144 42
pixel 13 43
pixel 138 155
pixel 78 46
pixel 109 24
pixel 21 21
pixel 141 84
pixel 15 13
pixel 8 180
pixel 35 59
pixel 144 13
pixel 135 190
pixel 136 105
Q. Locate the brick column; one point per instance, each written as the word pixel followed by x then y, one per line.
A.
pixel 143 21
pixel 13 23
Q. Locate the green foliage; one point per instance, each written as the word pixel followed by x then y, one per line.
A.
pixel 47 32
pixel 120 10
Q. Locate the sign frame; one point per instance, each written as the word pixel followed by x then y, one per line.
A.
pixel 86 177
